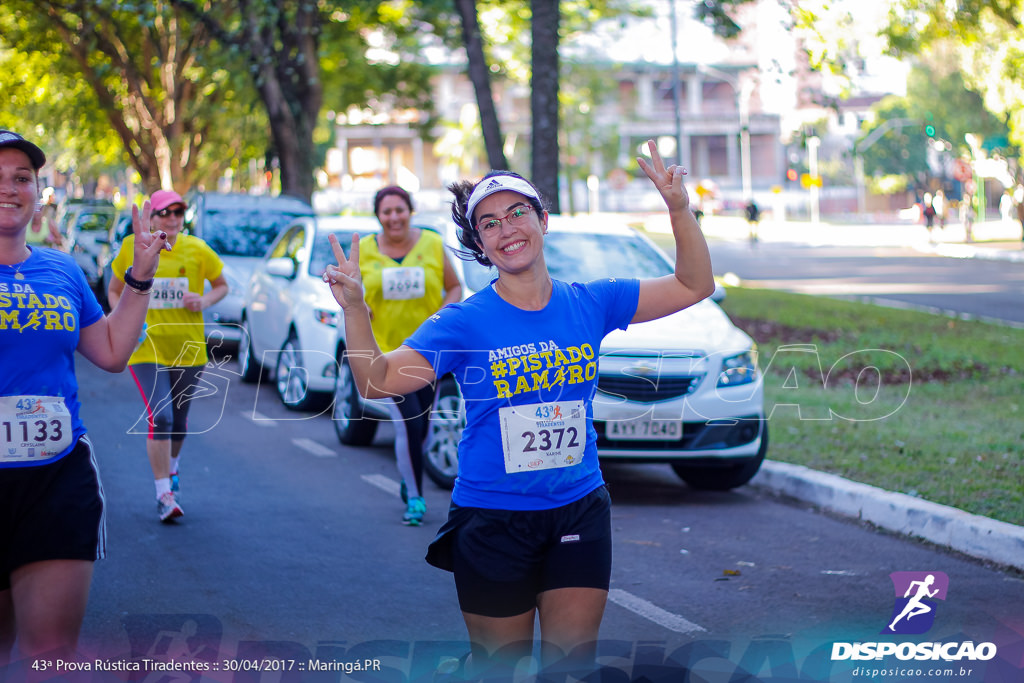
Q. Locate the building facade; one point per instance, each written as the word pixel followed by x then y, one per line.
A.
pixel 716 106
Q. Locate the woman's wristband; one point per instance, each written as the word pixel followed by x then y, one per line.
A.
pixel 139 286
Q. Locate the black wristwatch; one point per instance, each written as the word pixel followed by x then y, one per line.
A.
pixel 140 285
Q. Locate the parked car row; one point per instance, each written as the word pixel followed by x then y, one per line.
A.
pixel 239 227
pixel 683 390
pixel 89 227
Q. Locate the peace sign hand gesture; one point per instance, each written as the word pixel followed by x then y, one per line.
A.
pixel 345 279
pixel 669 181
pixel 148 245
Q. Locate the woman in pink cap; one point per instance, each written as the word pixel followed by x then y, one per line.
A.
pixel 52 519
pixel 171 356
pixel 528 535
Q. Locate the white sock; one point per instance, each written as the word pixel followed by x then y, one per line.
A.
pixel 174 464
pixel 162 486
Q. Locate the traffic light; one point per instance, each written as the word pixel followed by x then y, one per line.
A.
pixel 929 127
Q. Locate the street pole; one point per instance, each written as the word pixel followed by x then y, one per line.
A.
pixel 974 143
pixel 858 171
pixel 743 92
pixel 812 166
pixel 746 90
pixel 677 99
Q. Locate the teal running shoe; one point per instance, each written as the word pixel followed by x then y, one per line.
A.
pixel 414 511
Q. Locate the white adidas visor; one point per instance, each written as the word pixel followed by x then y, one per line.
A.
pixel 498 183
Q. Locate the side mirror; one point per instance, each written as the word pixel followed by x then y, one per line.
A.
pixel 281 266
pixel 719 294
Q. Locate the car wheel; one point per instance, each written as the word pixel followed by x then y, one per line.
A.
pixel 724 478
pixel 291 378
pixel 441 457
pixel 248 365
pixel 352 428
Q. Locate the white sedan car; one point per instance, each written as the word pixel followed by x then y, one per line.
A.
pixel 683 390
pixel 289 317
pixel 356 420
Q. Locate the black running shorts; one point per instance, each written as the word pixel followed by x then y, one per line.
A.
pixel 502 559
pixel 51 512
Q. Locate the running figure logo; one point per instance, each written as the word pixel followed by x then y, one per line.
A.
pixel 916 593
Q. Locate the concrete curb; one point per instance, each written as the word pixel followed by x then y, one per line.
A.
pixel 973 535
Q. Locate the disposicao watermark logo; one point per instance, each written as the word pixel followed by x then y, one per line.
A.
pixel 913 613
pixel 916 595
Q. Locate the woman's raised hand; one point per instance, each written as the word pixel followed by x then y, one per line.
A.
pixel 345 280
pixel 669 181
pixel 148 245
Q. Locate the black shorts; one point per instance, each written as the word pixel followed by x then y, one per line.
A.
pixel 51 512
pixel 502 559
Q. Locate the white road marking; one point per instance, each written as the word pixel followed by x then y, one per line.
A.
pixel 637 605
pixel 648 610
pixel 385 484
pixel 314 448
pixel 257 418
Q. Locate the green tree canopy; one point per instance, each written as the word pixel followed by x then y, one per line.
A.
pixel 984 39
pixel 182 91
pixel 108 82
pixel 937 96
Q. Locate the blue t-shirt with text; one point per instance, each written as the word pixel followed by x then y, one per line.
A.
pixel 41 314
pixel 504 356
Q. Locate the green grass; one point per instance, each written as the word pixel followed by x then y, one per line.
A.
pixel 908 401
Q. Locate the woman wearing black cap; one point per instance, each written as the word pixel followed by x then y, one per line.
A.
pixel 51 501
pixel 529 531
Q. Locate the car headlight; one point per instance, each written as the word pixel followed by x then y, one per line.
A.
pixel 738 369
pixel 326 317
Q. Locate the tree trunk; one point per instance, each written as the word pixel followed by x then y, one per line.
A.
pixel 292 132
pixel 480 76
pixel 544 100
pixel 281 43
pixel 291 88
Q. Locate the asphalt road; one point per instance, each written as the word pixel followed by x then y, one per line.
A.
pixel 292 549
pixel 891 275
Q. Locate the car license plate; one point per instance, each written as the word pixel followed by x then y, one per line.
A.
pixel 644 430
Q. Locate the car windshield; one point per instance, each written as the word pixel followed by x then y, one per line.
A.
pixel 323 255
pixel 582 257
pixel 239 232
pixel 94 221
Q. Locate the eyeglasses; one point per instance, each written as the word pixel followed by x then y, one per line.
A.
pixel 515 217
pixel 177 213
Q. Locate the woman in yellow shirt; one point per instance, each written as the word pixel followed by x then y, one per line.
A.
pixel 172 354
pixel 408 277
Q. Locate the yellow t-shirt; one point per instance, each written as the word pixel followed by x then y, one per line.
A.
pixel 402 295
pixel 174 336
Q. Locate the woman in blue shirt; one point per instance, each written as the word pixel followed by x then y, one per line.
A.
pixel 51 500
pixel 529 530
